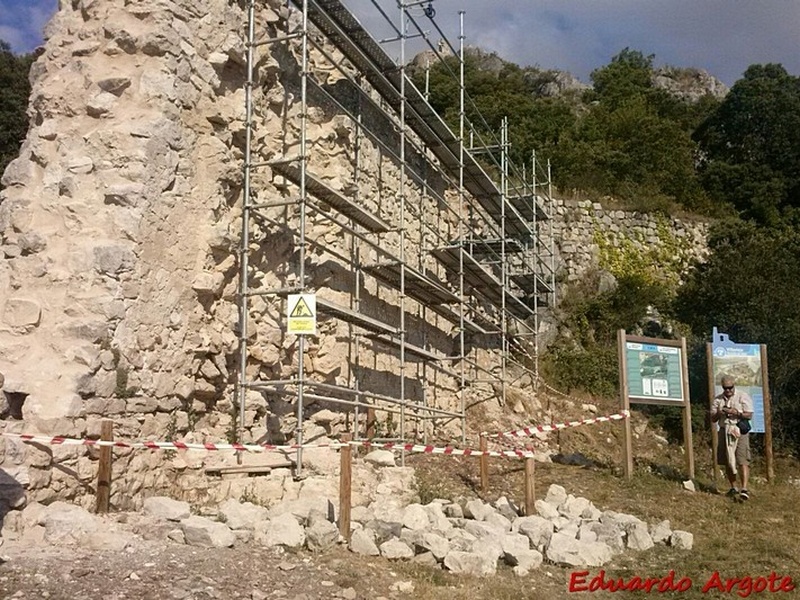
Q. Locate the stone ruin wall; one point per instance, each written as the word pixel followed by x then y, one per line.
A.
pixel 578 225
pixel 585 237
pixel 120 225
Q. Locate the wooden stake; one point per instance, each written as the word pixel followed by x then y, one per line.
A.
pixel 370 423
pixel 345 488
pixel 103 497
pixel 484 466
pixel 530 490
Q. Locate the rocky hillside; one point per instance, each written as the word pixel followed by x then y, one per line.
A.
pixel 689 83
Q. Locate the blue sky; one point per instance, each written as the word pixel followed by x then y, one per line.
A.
pixel 22 22
pixel 722 36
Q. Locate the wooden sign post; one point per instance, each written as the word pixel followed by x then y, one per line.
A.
pixel 767 416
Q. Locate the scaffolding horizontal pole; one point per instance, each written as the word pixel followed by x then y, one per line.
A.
pixel 419 180
pixel 406 347
pixel 348 391
pixel 262 205
pixel 333 198
pixel 275 292
pixel 347 34
pixel 280 38
pixel 351 316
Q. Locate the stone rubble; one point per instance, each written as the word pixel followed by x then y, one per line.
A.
pixel 475 544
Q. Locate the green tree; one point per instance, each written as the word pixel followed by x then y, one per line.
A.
pixel 627 77
pixel 536 122
pixel 624 138
pixel 635 140
pixel 584 355
pixel 748 289
pixel 14 92
pixel 751 146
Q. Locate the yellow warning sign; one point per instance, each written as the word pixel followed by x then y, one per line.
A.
pixel 301 314
pixel 301 309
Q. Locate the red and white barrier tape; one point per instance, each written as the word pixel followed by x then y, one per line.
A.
pixel 527 444
pixel 534 429
pixel 151 445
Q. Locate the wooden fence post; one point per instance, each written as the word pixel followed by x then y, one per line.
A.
pixel 530 489
pixel 103 497
pixel 345 488
pixel 484 466
pixel 370 423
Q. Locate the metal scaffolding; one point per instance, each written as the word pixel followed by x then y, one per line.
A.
pixel 443 249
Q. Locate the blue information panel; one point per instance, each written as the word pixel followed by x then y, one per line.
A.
pixel 654 372
pixel 743 363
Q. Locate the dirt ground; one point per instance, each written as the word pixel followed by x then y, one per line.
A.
pixel 150 569
pixel 154 567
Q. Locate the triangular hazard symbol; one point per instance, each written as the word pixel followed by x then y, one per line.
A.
pixel 301 309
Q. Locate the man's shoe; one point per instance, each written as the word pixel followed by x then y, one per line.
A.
pixel 743 495
pixel 732 492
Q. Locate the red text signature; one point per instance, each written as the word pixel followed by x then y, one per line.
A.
pixel 741 586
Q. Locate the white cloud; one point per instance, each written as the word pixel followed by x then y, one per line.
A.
pixel 13 36
pixel 722 36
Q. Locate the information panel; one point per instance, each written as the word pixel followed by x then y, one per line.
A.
pixel 743 363
pixel 654 372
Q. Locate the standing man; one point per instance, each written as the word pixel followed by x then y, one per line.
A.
pixel 733 447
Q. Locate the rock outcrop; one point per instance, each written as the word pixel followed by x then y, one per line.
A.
pixel 689 84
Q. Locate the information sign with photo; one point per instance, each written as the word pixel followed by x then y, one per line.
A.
pixel 654 371
pixel 743 363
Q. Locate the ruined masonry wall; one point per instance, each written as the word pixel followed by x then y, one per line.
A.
pixel 120 227
pixel 119 230
pixel 583 231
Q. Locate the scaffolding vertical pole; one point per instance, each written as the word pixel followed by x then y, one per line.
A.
pixel 427 80
pixel 402 191
pixel 422 367
pixel 503 241
pixel 355 338
pixel 550 229
pixel 301 346
pixel 461 117
pixel 536 271
pixel 244 266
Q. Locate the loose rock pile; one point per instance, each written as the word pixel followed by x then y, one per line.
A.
pixel 470 538
pixel 473 538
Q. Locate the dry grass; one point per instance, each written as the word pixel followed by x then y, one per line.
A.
pixel 752 539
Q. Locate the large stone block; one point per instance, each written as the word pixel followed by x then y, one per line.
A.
pixel 22 313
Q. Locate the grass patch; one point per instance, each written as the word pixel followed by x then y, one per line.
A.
pixel 752 539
